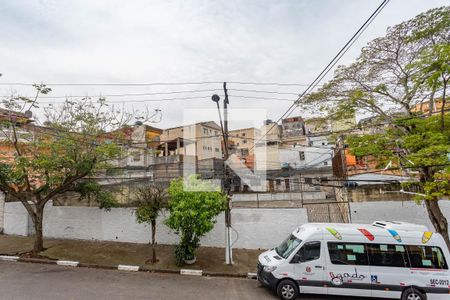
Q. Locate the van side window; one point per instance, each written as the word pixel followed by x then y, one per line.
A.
pixel 348 254
pixel 309 251
pixel 384 255
pixel 429 257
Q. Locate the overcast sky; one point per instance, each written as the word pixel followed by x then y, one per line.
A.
pixel 111 41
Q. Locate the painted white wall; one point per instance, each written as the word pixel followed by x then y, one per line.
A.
pixel 256 228
pixel 2 210
pixel 16 220
pixel 278 196
pixel 407 211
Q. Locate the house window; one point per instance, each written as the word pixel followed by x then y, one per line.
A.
pixel 136 156
pixel 301 155
pixel 287 184
pixel 325 163
pixel 205 130
pixel 243 134
pixel 216 149
pixel 244 141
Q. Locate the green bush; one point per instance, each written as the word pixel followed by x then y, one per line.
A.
pixel 194 206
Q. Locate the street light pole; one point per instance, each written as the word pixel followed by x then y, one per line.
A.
pixel 226 179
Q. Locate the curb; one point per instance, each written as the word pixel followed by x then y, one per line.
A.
pixel 37 260
pixel 67 263
pixel 128 268
pixel 8 258
pixel 191 272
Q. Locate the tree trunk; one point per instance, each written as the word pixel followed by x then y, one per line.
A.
pixel 431 103
pixel 438 219
pixel 443 107
pixel 38 237
pixel 153 241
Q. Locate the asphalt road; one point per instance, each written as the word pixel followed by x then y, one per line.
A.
pixel 39 281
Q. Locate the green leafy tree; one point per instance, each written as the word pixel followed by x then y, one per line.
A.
pixel 423 150
pixel 194 206
pixel 150 200
pixel 433 71
pixel 41 162
pixel 394 73
pixel 383 81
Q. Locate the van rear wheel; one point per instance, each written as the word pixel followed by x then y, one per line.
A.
pixel 287 290
pixel 413 294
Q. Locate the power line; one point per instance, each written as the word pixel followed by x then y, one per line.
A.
pixel 114 83
pixel 333 62
pixel 200 97
pixel 123 95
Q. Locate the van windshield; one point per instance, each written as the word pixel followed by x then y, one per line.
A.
pixel 289 245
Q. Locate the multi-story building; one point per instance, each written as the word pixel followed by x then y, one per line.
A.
pixel 202 140
pixel 293 132
pixel 244 140
pixel 270 131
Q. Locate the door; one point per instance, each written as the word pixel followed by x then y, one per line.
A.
pixel 310 268
pixel 348 270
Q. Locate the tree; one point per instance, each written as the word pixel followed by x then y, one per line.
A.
pixel 150 200
pixel 42 162
pixel 393 74
pixel 383 80
pixel 194 206
pixel 433 67
pixel 423 148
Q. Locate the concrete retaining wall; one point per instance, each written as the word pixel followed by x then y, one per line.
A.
pixel 279 196
pixel 253 228
pixel 16 220
pixel 2 211
pixel 407 211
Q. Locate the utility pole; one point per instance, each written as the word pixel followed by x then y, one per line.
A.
pixel 226 177
pixel 227 183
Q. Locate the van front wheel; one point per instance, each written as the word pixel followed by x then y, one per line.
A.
pixel 287 290
pixel 413 294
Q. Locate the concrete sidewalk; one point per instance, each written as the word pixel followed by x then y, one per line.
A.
pixel 111 254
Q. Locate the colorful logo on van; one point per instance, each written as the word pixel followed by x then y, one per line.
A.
pixel 367 234
pixel 426 236
pixel 335 233
pixel 395 235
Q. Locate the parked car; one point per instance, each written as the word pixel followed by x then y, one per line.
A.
pixel 393 260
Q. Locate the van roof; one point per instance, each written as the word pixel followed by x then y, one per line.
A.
pixel 378 231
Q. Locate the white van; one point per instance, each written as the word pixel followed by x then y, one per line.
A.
pixel 392 260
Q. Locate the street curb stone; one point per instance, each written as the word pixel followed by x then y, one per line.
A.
pixel 122 267
pixel 8 258
pixel 37 260
pixel 191 272
pixel 128 268
pixel 67 263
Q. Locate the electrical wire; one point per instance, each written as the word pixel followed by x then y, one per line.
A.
pixel 333 62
